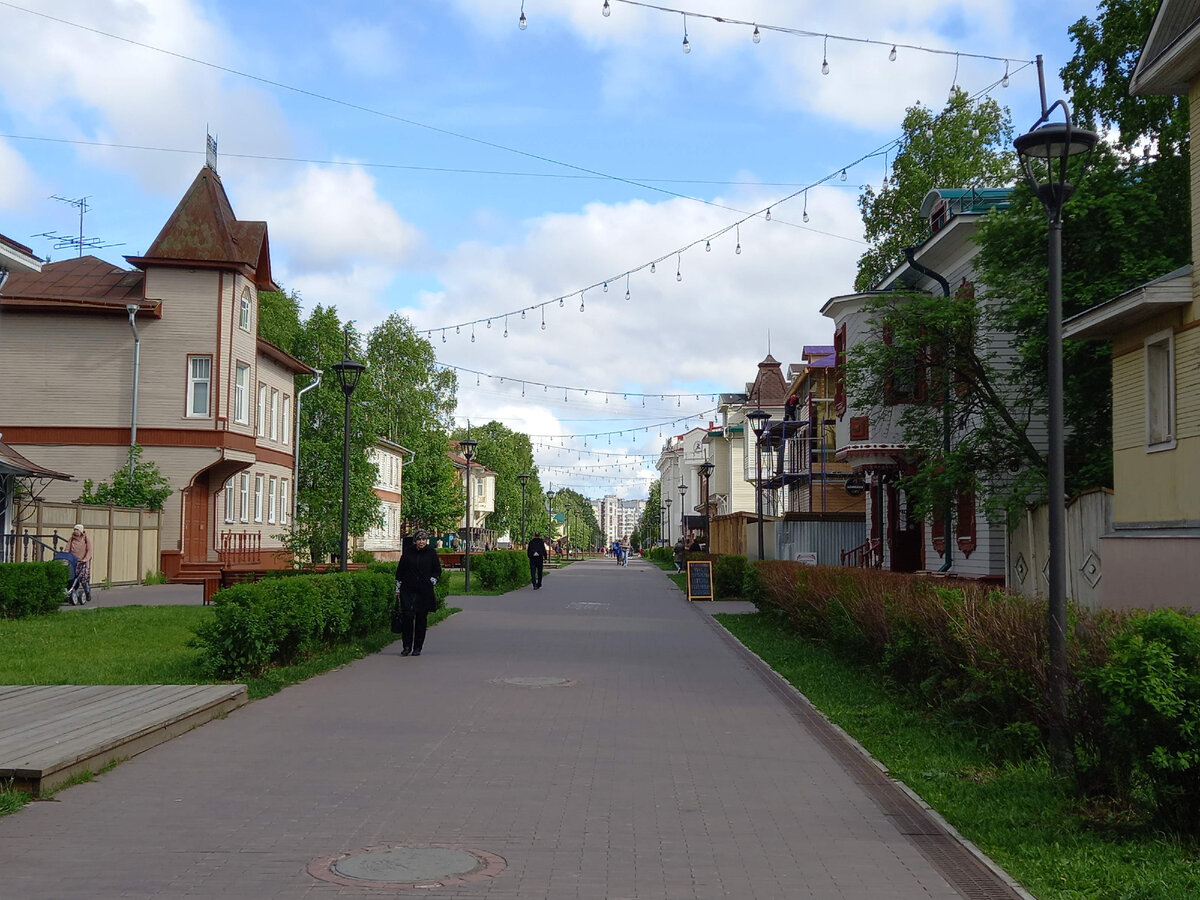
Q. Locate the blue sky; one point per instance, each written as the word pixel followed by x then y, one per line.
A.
pixel 450 169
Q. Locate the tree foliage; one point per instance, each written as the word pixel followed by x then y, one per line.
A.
pixel 650 524
pixel 508 453
pixel 1097 77
pixel 412 401
pixel 141 484
pixel 584 530
pixel 968 144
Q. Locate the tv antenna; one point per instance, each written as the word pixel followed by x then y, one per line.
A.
pixel 79 242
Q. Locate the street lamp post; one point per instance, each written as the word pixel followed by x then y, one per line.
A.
pixel 550 511
pixel 706 470
pixel 682 509
pixel 468 451
pixel 758 422
pixel 1045 152
pixel 348 373
pixel 668 502
pixel 524 479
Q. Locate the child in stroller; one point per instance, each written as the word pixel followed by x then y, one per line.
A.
pixel 79 589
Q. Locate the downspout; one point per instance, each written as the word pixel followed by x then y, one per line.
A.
pixel 947 530
pixel 132 309
pixel 296 446
pixel 3 277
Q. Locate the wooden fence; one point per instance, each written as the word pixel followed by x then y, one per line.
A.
pixel 1089 516
pixel 124 541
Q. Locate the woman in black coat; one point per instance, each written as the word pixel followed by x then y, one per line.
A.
pixel 417 572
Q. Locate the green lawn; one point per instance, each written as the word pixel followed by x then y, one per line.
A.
pixel 1016 813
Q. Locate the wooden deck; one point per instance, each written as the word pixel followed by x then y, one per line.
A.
pixel 49 733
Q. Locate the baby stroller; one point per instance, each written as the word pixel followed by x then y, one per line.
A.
pixel 79 590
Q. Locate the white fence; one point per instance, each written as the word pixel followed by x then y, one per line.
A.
pixel 124 541
pixel 1089 516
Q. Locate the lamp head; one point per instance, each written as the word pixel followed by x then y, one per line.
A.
pixel 706 469
pixel 348 373
pixel 758 420
pixel 1045 152
pixel 467 446
pixel 523 478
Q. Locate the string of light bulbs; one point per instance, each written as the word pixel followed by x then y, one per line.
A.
pixel 760 27
pixel 567 389
pixel 621 432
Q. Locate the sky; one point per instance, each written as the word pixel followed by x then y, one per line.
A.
pixel 433 159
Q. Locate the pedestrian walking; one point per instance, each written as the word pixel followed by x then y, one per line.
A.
pixel 417 572
pixel 536 551
pixel 80 548
pixel 678 555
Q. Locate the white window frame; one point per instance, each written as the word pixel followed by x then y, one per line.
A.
pixel 241 391
pixel 261 424
pixel 244 497
pixel 274 414
pixel 272 497
pixel 285 426
pixel 284 508
pixel 193 382
pixel 229 498
pixel 1159 353
pixel 244 316
pixel 258 498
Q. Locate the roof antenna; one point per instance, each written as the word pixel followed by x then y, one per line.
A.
pixel 768 342
pixel 79 242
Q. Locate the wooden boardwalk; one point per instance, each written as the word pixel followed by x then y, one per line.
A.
pixel 49 733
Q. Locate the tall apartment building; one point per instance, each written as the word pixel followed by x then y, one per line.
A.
pixel 618 518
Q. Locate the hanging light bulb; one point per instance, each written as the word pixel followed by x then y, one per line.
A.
pixel 806 206
pixel 581 301
pixel 892 55
pixel 443 335
pixel 975 133
pixel 607 11
pixel 687 48
pixel 522 22
pixel 606 287
pixel 489 323
pixel 543 318
pixel 560 302
pixel 626 297
pixel 757 36
pixel 825 57
pixel 738 248
pixel 1004 80
pixel 505 331
pixel 824 66
pixel 929 132
pixel 457 329
pixel 843 174
pixel 678 269
pixel 472 334
pixel 652 268
pixel 522 314
pixel 708 246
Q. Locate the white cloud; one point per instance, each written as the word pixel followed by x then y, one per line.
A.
pixel 18 182
pixel 365 48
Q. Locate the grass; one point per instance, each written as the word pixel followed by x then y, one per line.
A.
pixel 1022 819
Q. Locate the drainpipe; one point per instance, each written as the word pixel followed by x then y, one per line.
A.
pixel 947 531
pixel 3 277
pixel 296 445
pixel 132 309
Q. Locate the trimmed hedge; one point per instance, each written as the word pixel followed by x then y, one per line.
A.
pixel 32 588
pixel 500 570
pixel 279 621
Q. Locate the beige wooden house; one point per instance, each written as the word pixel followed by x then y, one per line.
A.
pixel 94 357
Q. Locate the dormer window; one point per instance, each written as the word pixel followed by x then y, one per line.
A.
pixel 244 310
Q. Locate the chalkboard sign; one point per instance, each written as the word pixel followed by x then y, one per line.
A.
pixel 699 580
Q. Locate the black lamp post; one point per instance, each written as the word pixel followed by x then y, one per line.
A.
pixel 662 517
pixel 348 373
pixel 524 479
pixel 682 509
pixel 1045 152
pixel 758 420
pixel 468 451
pixel 668 502
pixel 550 511
pixel 706 470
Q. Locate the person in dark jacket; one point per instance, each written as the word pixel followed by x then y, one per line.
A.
pixel 417 572
pixel 677 555
pixel 536 551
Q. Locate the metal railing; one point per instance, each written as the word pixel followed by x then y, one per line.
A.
pixel 867 555
pixel 29 547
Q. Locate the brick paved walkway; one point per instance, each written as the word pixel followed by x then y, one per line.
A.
pixel 665 768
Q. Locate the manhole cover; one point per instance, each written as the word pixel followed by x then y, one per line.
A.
pixel 534 681
pixel 586 604
pixel 408 866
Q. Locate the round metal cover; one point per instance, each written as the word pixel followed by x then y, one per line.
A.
pixel 408 866
pixel 536 681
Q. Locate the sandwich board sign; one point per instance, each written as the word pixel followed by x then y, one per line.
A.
pixel 699 579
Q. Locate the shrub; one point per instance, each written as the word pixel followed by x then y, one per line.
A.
pixel 362 556
pixel 1151 685
pixel 659 554
pixel 281 620
pixel 729 572
pixel 500 570
pixel 441 590
pixel 31 588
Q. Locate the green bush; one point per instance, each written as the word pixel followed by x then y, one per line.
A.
pixel 659 554
pixel 500 570
pixel 31 588
pixel 1151 685
pixel 729 575
pixel 279 621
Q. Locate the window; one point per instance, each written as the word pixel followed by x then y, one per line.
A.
pixel 244 497
pixel 285 426
pixel 241 398
pixel 244 310
pixel 839 370
pixel 284 506
pixel 258 498
pixel 229 500
pixel 274 414
pixel 262 410
pixel 271 498
pixel 199 385
pixel 1160 391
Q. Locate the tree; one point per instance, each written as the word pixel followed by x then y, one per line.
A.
pixel 650 523
pixel 968 144
pixel 412 402
pixel 321 342
pixel 136 483
pixel 508 453
pixel 1097 77
pixel 584 529
pixel 279 317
